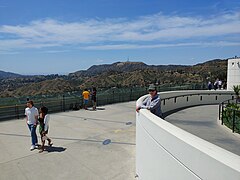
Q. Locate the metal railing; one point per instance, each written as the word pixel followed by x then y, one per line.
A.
pixel 229 114
pixel 201 97
pixel 66 102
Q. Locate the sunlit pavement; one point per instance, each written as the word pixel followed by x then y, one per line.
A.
pixel 203 122
pixel 87 145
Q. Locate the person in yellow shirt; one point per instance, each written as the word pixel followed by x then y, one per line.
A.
pixel 86 96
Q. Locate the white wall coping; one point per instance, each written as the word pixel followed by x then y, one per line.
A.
pixel 226 157
pixel 228 161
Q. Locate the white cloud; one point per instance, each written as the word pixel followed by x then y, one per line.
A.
pixel 154 29
pixel 138 46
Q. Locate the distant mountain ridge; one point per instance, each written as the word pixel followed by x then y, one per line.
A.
pixel 119 74
pixel 4 74
pixel 122 67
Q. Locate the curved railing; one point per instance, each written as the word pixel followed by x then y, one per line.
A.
pixel 229 114
pixel 164 151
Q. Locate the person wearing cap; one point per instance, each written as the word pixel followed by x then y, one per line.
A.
pixel 153 102
pixel 32 120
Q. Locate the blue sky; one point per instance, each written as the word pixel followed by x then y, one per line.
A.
pixel 59 36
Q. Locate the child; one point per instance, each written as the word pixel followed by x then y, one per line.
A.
pixel 43 127
pixel 86 95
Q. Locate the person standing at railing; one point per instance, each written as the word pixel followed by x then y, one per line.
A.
pixel 220 84
pixel 215 85
pixel 94 98
pixel 32 119
pixel 209 85
pixel 86 96
pixel 152 103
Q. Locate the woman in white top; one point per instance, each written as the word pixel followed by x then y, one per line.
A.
pixel 44 126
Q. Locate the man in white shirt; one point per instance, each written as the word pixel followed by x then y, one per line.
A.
pixel 31 119
pixel 152 102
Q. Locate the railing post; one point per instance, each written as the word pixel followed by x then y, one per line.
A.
pixel 234 114
pixel 219 111
pixel 82 101
pixel 63 103
pixel 223 112
pixel 131 94
pixel 119 97
pixel 113 96
pixel 17 111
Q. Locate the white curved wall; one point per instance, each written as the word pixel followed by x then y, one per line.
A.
pixel 198 97
pixel 166 152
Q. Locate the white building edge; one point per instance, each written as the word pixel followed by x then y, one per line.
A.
pixel 233 73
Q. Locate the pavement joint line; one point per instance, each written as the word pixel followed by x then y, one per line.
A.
pixel 89 139
pixel 75 139
pixel 93 119
pixel 16 159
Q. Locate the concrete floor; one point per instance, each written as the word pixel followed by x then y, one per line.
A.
pixel 78 151
pixel 203 122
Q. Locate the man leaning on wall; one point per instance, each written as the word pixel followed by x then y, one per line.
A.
pixel 152 102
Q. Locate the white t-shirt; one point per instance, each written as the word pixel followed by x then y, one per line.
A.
pixel 46 122
pixel 31 113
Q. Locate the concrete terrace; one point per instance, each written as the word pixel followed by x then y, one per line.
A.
pixel 203 122
pixel 78 151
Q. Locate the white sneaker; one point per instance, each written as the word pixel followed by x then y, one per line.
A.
pixel 32 148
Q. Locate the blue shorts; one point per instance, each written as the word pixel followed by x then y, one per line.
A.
pixel 85 101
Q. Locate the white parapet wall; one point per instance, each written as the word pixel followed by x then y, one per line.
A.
pixel 166 152
pixel 233 73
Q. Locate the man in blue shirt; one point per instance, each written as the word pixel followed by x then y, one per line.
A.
pixel 153 102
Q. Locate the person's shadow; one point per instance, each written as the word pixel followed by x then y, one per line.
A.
pixel 54 149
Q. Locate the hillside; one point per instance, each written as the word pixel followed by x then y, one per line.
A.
pixel 127 75
pixel 4 74
pixel 54 86
pixel 120 74
pixel 121 67
pixel 213 69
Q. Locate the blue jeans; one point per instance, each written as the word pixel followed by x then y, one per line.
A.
pixel 85 101
pixel 32 129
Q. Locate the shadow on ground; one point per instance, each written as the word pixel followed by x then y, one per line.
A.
pixel 55 149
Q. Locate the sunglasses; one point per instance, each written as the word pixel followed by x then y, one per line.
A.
pixel 151 90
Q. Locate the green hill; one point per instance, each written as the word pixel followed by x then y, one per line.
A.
pixel 120 74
